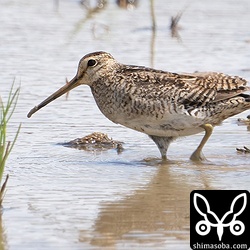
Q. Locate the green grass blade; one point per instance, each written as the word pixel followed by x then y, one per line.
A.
pixel 6 112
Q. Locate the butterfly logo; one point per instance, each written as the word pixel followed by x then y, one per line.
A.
pixel 210 219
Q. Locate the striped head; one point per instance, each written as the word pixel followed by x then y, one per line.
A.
pixel 91 67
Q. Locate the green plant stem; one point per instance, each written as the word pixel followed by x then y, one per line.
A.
pixel 6 147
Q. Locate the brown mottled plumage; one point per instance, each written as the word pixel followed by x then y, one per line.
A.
pixel 161 104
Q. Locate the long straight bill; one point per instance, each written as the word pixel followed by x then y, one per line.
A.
pixel 66 88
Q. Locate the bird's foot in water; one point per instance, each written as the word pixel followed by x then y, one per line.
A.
pixel 197 156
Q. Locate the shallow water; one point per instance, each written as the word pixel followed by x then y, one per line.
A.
pixel 64 198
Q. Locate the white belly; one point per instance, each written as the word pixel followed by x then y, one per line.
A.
pixel 171 126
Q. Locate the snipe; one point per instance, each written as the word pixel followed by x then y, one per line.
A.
pixel 161 104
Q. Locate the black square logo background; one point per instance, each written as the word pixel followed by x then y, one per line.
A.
pixel 220 202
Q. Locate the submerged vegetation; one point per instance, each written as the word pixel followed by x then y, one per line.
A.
pixel 7 109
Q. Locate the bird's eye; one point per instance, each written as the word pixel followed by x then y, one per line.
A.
pixel 91 62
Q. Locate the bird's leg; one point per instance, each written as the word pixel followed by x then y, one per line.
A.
pixel 197 154
pixel 162 143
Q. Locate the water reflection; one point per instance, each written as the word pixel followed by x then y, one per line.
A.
pixel 174 26
pixel 153 36
pixel 99 4
pixel 152 214
pixel 91 11
pixel 59 191
pixel 127 4
pixel 152 48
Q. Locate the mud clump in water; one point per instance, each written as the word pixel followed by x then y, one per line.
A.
pixel 246 122
pixel 243 150
pixel 241 121
pixel 95 141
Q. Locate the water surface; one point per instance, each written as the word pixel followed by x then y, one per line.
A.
pixel 63 198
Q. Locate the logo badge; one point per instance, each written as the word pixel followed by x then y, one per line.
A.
pixel 219 218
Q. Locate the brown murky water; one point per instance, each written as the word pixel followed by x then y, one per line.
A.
pixel 64 198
